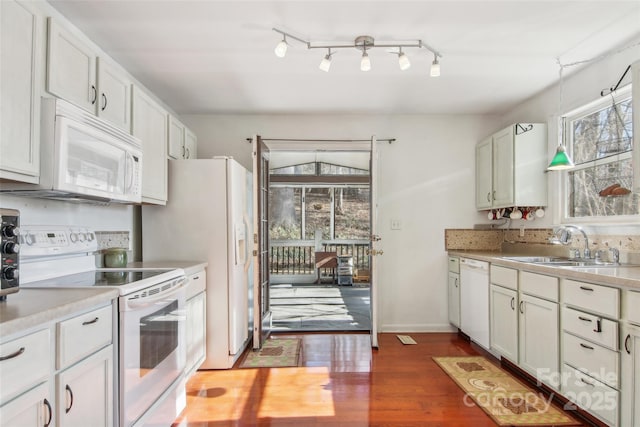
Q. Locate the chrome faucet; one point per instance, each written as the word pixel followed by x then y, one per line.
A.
pixel 615 254
pixel 564 236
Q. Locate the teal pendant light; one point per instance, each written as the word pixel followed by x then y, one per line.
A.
pixel 561 160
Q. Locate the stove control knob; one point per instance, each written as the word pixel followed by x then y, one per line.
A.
pixel 10 248
pixel 10 230
pixel 82 237
pixel 90 237
pixel 10 273
pixel 73 237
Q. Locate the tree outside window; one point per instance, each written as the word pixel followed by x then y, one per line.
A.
pixel 601 140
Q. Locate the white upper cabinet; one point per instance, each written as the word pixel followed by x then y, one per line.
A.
pixel 149 123
pixel 190 144
pixel 484 168
pixel 182 141
pixel 20 71
pixel 114 87
pixel 75 73
pixel 176 138
pixel 510 167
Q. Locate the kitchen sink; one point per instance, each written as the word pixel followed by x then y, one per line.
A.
pixel 562 262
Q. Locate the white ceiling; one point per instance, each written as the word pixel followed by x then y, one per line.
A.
pixel 211 56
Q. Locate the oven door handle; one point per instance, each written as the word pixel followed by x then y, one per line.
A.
pixel 138 303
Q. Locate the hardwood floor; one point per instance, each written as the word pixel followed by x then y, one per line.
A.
pixel 341 382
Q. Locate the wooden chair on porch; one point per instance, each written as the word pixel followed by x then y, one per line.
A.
pixel 326 260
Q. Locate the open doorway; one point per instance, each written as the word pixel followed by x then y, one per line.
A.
pixel 319 233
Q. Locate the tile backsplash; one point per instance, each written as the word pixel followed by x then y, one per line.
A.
pixel 496 240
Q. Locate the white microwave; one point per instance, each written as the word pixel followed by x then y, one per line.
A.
pixel 83 158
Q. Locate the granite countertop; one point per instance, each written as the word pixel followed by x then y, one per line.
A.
pixel 31 307
pixel 189 267
pixel 622 276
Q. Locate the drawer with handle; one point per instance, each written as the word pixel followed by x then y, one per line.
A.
pixel 24 362
pixel 83 335
pixel 590 394
pixel 596 298
pixel 597 361
pixel 507 277
pixel 590 326
pixel 454 264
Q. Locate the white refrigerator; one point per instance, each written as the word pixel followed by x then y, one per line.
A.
pixel 208 217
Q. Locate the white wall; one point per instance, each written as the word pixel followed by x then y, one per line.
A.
pixel 426 182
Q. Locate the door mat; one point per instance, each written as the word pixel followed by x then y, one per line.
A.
pixel 507 401
pixel 275 353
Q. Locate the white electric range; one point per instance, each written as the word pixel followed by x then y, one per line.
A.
pixel 151 342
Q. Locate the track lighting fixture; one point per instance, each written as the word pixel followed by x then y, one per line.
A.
pixel 363 43
pixel 435 67
pixel 281 48
pixel 365 62
pixel 403 60
pixel 325 64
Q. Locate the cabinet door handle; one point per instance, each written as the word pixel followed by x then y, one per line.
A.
pixel 188 156
pixel 588 347
pixel 598 326
pixel 494 194
pixel 585 288
pixel 513 302
pixel 586 319
pixel 90 322
pixel 626 344
pixel 95 94
pixel 522 307
pixel 587 382
pixel 49 411
pixel 13 355
pixel 104 102
pixel 68 389
pixel 196 278
pixel 489 196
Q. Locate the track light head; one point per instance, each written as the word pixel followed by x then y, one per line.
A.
pixel 281 48
pixel 365 62
pixel 325 64
pixel 403 60
pixel 435 67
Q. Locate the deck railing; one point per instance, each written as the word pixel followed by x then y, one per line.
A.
pixel 296 257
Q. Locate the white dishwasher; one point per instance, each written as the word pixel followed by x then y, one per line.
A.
pixel 474 300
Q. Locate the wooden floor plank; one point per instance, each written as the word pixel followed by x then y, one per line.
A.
pixel 341 382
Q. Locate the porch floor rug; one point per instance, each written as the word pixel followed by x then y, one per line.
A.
pixel 507 401
pixel 275 353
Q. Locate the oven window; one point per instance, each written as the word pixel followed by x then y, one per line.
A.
pixel 158 337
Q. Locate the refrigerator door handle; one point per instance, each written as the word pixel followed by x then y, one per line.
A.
pixel 240 243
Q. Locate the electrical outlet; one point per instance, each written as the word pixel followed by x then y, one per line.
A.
pixel 395 224
pixel 522 231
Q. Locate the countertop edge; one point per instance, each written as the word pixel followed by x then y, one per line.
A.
pixel 617 278
pixel 75 304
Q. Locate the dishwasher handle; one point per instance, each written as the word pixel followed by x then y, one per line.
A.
pixel 475 264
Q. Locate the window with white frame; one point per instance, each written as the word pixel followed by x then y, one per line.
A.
pixel 600 139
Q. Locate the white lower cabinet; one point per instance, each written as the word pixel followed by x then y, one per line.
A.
pixel 84 392
pixel 630 378
pixel 454 299
pixel 74 390
pixel 503 318
pixel 31 409
pixel 539 342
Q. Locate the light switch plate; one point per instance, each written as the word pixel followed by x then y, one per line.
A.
pixel 395 224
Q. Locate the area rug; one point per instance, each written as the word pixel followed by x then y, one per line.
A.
pixel 275 353
pixel 507 401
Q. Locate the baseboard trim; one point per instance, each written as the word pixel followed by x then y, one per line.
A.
pixel 433 327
